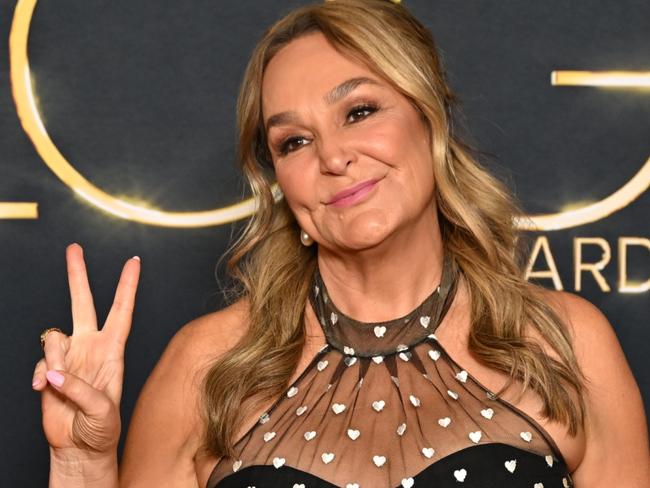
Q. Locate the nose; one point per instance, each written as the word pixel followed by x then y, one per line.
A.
pixel 334 155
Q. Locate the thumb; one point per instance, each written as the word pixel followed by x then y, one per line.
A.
pixel 92 402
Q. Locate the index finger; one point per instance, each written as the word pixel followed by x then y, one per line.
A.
pixel 118 322
pixel 83 308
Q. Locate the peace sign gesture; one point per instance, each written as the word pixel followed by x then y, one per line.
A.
pixel 80 377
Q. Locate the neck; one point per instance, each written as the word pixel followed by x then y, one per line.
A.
pixel 388 280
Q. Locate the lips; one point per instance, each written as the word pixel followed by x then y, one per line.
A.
pixel 351 191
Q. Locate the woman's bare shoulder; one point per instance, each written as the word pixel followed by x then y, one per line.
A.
pixel 213 333
pixel 616 428
pixel 587 325
pixel 166 427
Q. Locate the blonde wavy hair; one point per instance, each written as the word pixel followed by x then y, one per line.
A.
pixel 272 268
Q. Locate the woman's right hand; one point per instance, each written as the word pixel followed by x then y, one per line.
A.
pixel 80 377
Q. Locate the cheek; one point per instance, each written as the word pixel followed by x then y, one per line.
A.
pixel 405 148
pixel 298 189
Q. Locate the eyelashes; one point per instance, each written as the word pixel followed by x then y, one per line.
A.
pixel 357 113
pixel 363 107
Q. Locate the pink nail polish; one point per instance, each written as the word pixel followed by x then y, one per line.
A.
pixel 36 382
pixel 55 377
pixel 136 257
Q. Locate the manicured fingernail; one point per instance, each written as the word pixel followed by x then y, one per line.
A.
pixel 36 381
pixel 136 257
pixel 55 377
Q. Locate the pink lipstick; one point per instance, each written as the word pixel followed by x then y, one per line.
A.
pixel 353 194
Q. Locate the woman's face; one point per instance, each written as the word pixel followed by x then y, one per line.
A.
pixel 351 154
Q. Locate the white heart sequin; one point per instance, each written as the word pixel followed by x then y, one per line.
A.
pixel 278 462
pixel 327 457
pixel 538 485
pixel 292 392
pixel 309 435
pixel 527 436
pixel 353 434
pixel 428 452
pixel 487 413
pixel 338 408
pixel 296 485
pixel 424 321
pixel 444 422
pixel 405 356
pixel 460 474
pixel 268 436
pixel 378 359
pixel 432 336
pixel 301 410
pixel 462 376
pixel 322 365
pixel 549 461
pixel 316 290
pixel 350 360
pixel 380 330
pixel 378 405
pixel 475 436
pixel 264 418
pixel 452 394
pixel 401 347
pixel 352 485
pixel 511 465
pixel 407 482
pixel 348 350
pixel 565 483
pixel 334 318
pixel 415 401
pixel 401 428
pixel 434 354
pixel 236 465
pixel 379 460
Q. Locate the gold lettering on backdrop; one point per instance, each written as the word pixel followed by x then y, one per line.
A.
pixel 18 210
pixel 625 286
pixel 594 268
pixel 21 83
pixel 541 244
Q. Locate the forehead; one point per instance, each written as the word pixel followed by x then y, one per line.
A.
pixel 304 70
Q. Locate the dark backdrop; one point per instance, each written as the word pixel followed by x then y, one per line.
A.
pixel 139 96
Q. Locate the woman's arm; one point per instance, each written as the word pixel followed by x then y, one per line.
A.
pixel 165 431
pixel 617 452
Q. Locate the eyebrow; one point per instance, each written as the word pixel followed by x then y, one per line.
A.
pixel 330 98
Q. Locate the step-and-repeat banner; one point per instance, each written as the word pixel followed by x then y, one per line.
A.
pixel 117 131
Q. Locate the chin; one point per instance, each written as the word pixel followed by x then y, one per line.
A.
pixel 368 234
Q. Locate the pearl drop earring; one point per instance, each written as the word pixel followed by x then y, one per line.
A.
pixel 305 238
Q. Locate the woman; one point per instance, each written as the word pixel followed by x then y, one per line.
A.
pixel 390 262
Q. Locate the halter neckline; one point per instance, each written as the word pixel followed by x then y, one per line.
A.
pixel 367 339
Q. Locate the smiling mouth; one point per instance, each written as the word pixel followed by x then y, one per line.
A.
pixel 353 194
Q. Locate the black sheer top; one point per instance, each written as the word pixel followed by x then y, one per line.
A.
pixel 382 405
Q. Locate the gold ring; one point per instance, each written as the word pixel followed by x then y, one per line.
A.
pixel 46 332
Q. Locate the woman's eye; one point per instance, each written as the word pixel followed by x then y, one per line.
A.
pixel 290 144
pixel 360 112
